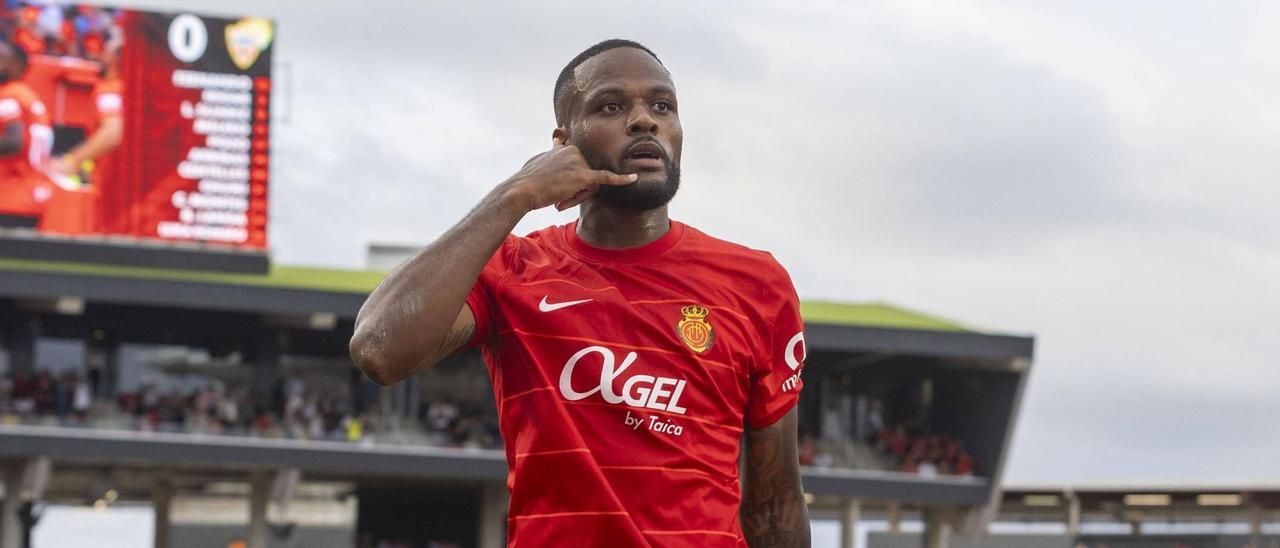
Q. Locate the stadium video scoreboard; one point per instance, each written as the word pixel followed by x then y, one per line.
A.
pixel 189 99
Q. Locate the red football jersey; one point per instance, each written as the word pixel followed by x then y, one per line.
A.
pixel 18 102
pixel 24 190
pixel 623 380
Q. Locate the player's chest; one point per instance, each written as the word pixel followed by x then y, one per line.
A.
pixel 669 315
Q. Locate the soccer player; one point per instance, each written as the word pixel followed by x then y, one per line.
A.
pixel 25 138
pixel 109 131
pixel 632 356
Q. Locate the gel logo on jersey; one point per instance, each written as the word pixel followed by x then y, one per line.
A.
pixel 639 391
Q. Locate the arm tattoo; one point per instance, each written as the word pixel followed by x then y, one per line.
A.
pixel 457 337
pixel 773 510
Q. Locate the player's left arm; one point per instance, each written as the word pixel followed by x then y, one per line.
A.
pixel 773 510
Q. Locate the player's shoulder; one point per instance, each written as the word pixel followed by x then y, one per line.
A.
pixel 19 90
pixel 539 241
pixel 549 235
pixel 732 254
pixel 17 97
pixel 26 97
pixel 533 246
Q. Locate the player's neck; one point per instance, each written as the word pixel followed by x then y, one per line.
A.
pixel 615 228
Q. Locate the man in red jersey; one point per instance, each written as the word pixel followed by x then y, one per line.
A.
pixel 25 139
pixel 632 356
pixel 107 135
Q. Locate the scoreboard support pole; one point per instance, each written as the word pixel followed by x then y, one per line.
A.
pixel 259 496
pixel 494 502
pixel 25 481
pixel 11 528
pixel 850 513
pixel 161 502
pixel 1073 515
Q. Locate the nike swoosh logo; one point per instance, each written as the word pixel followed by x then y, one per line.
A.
pixel 550 307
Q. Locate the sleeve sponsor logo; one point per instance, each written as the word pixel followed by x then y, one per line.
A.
pixel 794 362
pixel 790 354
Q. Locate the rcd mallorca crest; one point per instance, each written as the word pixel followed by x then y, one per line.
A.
pixel 694 329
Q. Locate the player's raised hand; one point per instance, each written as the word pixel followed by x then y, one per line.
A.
pixel 561 176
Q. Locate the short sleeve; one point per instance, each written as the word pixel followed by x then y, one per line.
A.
pixel 10 110
pixel 107 97
pixel 481 297
pixel 109 103
pixel 779 358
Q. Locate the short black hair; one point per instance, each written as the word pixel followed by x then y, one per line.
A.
pixel 566 75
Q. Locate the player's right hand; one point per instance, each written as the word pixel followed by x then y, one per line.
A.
pixel 561 176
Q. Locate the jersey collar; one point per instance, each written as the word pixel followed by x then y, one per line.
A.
pixel 625 255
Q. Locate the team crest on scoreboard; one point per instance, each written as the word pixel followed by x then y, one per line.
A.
pixel 247 38
pixel 694 330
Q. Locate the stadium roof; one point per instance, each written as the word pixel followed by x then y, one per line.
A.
pixel 874 314
pixel 285 277
pixel 362 282
pixel 854 327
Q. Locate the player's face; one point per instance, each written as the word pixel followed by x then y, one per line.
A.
pixel 624 119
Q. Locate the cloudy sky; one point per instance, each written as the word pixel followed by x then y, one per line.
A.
pixel 1100 174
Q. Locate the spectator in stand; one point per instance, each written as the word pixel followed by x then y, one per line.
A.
pixel 808 449
pixel 307 411
pixel 44 393
pixel 925 455
pixel 441 415
pixel 6 396
pixel 81 398
pixel 875 419
pixel 24 403
pixel 832 432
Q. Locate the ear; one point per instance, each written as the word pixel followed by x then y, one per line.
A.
pixel 561 133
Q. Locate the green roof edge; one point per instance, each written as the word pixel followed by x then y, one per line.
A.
pixel 871 314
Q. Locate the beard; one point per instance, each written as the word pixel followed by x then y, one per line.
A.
pixel 641 195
